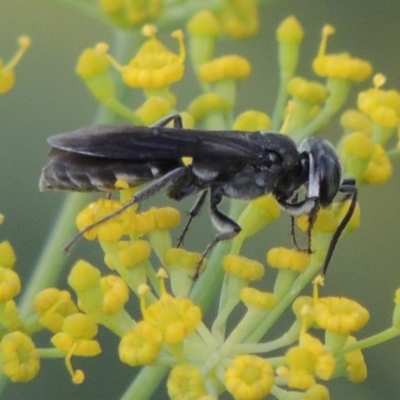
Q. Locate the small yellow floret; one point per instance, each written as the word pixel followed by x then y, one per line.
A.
pixel 306 360
pixel 175 318
pixel 243 267
pixel 310 91
pixel 258 299
pixel 112 229
pixel 154 66
pixel 249 377
pixel 83 276
pixel 340 315
pixel 77 336
pixel 239 18
pixel 258 214
pixel 317 392
pixel 131 253
pixel 141 345
pixel 325 222
pixel 7 255
pixel 54 306
pixel 153 109
pixel 356 121
pixel 7 76
pixel 252 121
pixel 115 292
pixel 93 61
pixel 290 30
pixel 19 357
pixel 356 367
pixel 177 257
pixel 226 67
pixel 204 23
pixel 358 145
pixel 295 260
pixel 206 104
pixel 186 381
pixel 10 284
pixel 380 169
pixel 339 209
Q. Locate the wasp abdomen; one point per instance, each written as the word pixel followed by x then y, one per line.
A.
pixel 82 173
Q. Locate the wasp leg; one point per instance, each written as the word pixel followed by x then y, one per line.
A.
pixel 227 228
pixel 143 194
pixel 175 118
pixel 193 213
pixel 348 187
pixel 309 206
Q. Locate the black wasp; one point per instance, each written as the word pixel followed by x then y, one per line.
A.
pixel 238 165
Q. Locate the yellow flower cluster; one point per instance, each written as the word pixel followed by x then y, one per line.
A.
pixel 233 353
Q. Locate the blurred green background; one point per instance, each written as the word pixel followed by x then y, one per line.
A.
pixel 49 98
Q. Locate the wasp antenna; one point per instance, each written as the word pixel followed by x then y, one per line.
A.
pixel 353 192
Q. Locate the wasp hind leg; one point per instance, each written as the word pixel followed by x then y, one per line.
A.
pixel 227 228
pixel 193 213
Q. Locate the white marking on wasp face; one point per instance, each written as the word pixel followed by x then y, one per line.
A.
pixel 300 209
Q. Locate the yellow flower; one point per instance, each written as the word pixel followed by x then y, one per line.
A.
pixel 53 306
pixel 110 230
pixel 115 292
pixel 131 253
pixel 226 67
pixel 175 318
pixel 94 68
pixel 325 222
pixel 254 298
pixel 207 104
pixel 157 218
pixel 131 13
pixel 341 66
pixel 141 345
pixel 382 106
pixel 379 169
pixel 7 255
pixel 356 367
pixel 355 121
pixel 154 66
pixel 340 315
pixel 185 381
pixel 77 339
pixel 10 284
pixel 290 30
pixel 239 18
pixel 153 109
pixel 310 91
pixel 243 267
pixel 307 360
pixel 249 377
pixel 252 121
pixel 7 76
pixel 317 392
pixel 19 357
pixel 257 215
pixel 295 260
pixel 180 258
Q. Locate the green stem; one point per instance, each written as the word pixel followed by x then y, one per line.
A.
pixel 52 259
pixel 145 383
pixel 373 340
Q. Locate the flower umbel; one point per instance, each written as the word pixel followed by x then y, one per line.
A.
pixel 149 297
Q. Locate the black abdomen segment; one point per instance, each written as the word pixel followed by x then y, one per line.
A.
pixel 83 173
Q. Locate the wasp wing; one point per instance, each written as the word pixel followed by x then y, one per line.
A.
pixel 157 143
